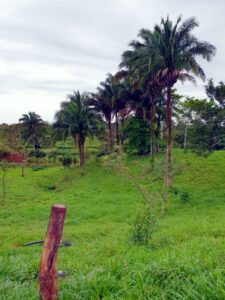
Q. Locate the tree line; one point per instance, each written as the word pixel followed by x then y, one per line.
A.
pixel 138 105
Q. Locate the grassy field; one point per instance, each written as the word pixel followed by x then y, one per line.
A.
pixel 185 258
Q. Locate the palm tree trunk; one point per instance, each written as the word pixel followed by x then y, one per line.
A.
pixel 168 138
pixel 185 136
pixel 117 130
pixel 152 128
pixel 158 127
pixel 80 145
pixel 122 135
pixel 110 133
pixel 81 153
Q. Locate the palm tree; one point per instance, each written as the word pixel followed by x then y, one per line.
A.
pixel 31 122
pixel 141 63
pixel 177 49
pixel 78 119
pixel 108 101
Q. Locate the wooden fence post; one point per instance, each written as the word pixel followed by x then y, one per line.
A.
pixel 47 276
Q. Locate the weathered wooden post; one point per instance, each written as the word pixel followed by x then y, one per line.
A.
pixel 47 276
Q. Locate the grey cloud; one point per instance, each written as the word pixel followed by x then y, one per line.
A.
pixel 83 40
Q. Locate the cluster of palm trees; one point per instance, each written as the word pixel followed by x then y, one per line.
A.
pixel 142 87
pixel 159 59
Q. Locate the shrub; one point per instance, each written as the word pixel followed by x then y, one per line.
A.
pixel 38 168
pixel 66 161
pixel 37 153
pixel 143 227
pixel 136 134
pixel 103 150
pixel 50 186
pixel 185 197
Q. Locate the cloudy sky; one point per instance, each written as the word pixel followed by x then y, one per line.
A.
pixel 48 48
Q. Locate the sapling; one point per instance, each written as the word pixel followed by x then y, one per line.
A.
pixel 4 168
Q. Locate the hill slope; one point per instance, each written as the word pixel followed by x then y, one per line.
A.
pixel 184 259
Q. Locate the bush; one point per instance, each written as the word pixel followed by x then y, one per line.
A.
pixel 50 186
pixel 137 136
pixel 37 153
pixel 143 227
pixel 38 168
pixel 103 150
pixel 66 161
pixel 185 197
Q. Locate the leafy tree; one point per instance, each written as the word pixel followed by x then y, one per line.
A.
pixel 136 134
pixel 78 119
pixel 206 129
pixel 216 93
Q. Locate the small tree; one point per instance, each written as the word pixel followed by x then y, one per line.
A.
pixel 136 134
pixel 4 168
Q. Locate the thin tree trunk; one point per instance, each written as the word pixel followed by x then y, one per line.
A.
pixel 80 144
pixel 117 130
pixel 162 131
pixel 168 139
pixel 122 134
pixel 23 167
pixel 110 133
pixel 185 136
pixel 3 190
pixel 81 152
pixel 25 156
pixel 158 127
pixel 152 128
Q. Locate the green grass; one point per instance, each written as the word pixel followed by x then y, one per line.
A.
pixel 184 259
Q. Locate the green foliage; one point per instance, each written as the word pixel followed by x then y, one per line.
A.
pixel 4 150
pixel 184 196
pixel 37 153
pixel 4 165
pixel 75 118
pixel 143 226
pixel 32 128
pixel 38 168
pixel 184 258
pixel 50 186
pixel 136 133
pixel 206 131
pixel 66 161
pixel 104 150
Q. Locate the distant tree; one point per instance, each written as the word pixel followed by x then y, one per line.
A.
pixel 77 119
pixel 110 101
pixel 206 125
pixel 30 124
pixel 216 93
pixel 4 168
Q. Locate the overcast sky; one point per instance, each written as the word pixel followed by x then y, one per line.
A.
pixel 48 48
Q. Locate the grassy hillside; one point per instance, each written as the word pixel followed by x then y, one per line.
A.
pixel 184 259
